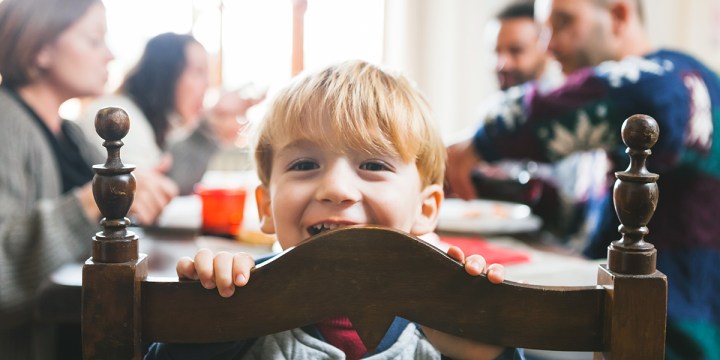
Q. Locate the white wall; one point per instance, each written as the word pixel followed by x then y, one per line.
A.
pixel 440 44
pixel 689 25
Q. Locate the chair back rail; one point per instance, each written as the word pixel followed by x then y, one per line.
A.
pixel 427 287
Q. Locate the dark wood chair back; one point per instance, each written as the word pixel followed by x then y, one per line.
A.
pixel 371 275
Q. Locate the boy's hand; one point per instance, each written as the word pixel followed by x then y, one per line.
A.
pixel 224 270
pixel 475 265
pixel 461 348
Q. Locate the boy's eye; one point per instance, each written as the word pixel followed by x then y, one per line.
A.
pixel 374 166
pixel 303 165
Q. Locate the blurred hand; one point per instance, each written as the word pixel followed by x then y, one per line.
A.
pixel 237 102
pixel 87 201
pixel 227 117
pixel 154 191
pixel 461 161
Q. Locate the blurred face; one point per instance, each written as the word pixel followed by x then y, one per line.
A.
pixel 314 188
pixel 581 34
pixel 520 55
pixel 76 63
pixel 193 83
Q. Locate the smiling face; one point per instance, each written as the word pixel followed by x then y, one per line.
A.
pixel 314 188
pixel 351 144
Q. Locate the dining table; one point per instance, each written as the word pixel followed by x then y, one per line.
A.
pixel 526 254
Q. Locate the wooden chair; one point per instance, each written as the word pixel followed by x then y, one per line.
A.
pixel 371 274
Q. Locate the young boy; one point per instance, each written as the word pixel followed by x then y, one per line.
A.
pixel 351 144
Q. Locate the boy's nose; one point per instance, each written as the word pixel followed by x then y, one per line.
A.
pixel 338 185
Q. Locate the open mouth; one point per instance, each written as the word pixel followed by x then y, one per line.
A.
pixel 322 227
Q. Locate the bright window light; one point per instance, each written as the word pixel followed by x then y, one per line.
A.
pixel 337 30
pixel 248 41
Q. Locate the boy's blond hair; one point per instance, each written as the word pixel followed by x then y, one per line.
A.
pixel 359 106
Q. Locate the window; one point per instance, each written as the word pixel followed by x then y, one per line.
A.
pixel 248 41
pixel 252 36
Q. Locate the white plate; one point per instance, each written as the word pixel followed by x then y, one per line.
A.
pixel 183 212
pixel 486 217
pixel 216 244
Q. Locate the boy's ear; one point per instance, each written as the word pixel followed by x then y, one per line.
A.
pixel 426 218
pixel 262 198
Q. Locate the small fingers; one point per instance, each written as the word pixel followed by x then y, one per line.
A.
pixel 231 270
pixel 223 267
pixel 242 264
pixel 205 268
pixel 456 253
pixel 185 269
pixel 496 273
pixel 475 265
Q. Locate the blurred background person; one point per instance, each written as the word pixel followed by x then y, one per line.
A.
pixel 522 59
pixel 50 51
pixel 521 48
pixel 170 130
pixel 614 72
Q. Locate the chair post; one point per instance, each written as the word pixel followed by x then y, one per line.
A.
pixel 637 292
pixel 111 306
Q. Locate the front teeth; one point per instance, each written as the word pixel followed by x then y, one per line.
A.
pixel 324 226
pixel 318 228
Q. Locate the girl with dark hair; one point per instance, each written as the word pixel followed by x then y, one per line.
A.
pixel 159 70
pixel 163 94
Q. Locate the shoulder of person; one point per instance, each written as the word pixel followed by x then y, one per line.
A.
pixel 12 108
pixel 114 100
pixel 661 68
pixel 138 122
pixel 16 121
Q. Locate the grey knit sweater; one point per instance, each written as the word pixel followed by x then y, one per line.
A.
pixel 40 229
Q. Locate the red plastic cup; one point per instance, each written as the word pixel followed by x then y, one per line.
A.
pixel 222 210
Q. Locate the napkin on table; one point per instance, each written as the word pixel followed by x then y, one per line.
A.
pixel 493 254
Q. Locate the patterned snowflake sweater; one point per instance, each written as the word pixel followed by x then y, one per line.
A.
pixel 587 113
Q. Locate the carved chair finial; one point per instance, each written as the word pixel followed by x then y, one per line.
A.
pixel 635 195
pixel 113 189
